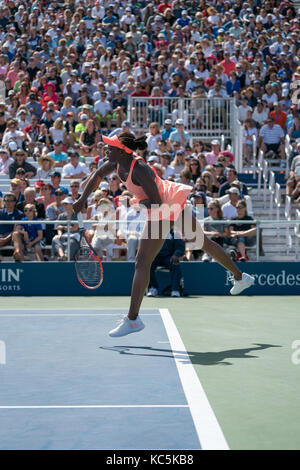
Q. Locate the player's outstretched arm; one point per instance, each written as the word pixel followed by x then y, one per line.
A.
pixel 92 183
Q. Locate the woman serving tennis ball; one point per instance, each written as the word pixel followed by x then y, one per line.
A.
pixel 166 204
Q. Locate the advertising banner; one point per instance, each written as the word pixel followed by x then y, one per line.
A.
pixel 59 279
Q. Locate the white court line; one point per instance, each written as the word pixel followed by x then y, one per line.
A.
pixel 71 314
pixel 39 407
pixel 208 429
pixel 73 308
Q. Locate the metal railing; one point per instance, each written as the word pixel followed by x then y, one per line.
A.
pixel 260 224
pixel 205 118
pixel 258 155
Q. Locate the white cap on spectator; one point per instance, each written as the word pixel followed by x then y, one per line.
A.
pixel 67 200
pixel 104 185
pixel 168 121
pixel 13 146
pixel 84 116
pixel 233 191
pixel 215 142
pixel 180 122
pixel 153 158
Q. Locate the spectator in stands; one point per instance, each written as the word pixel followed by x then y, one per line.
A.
pixel 58 131
pixel 15 187
pixel 271 137
pixel 89 139
pixel 244 108
pixel 233 84
pixel 231 176
pixel 153 136
pixel 9 213
pixel 169 256
pixel 30 198
pixel 249 132
pixel 167 130
pixel 260 113
pixel 46 164
pixel 103 110
pixel 294 130
pixel 74 169
pixel 217 232
pixel 114 186
pixel 164 160
pixel 229 208
pixel 20 162
pixel 12 134
pixel 5 161
pixel 32 133
pixel 60 158
pixel 55 182
pixel 242 235
pixel 178 163
pixel 56 208
pixel 193 165
pixel 211 157
pixel 27 236
pixel 180 135
pixel 60 241
pixel 46 197
pixel 278 115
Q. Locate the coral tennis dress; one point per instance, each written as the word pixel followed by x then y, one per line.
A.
pixel 173 195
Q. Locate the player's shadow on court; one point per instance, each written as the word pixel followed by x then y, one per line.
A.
pixel 199 358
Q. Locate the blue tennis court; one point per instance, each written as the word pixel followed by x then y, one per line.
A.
pixel 67 385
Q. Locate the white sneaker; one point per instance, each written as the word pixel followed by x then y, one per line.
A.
pixel 126 326
pixel 152 292
pixel 175 293
pixel 244 283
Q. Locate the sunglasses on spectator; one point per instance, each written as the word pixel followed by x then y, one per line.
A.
pixel 113 178
pixel 194 164
pixel 28 210
pixel 211 208
pixel 74 185
pixel 9 200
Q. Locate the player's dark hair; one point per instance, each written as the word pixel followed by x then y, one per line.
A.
pixel 133 142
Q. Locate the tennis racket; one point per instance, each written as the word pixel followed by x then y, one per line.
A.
pixel 88 265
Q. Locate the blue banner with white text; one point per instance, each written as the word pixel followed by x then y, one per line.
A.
pixel 59 279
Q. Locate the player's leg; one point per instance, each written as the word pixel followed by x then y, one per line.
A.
pixel 149 247
pixel 152 240
pixel 192 230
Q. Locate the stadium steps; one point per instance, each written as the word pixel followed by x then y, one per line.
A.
pixel 279 242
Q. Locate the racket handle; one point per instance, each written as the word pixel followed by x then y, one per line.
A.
pixel 80 220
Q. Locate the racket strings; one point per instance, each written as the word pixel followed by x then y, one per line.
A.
pixel 88 267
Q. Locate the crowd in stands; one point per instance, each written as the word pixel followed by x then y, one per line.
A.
pixel 68 70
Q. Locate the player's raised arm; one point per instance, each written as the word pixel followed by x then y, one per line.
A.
pixel 92 183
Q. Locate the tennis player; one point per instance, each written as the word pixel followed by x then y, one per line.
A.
pixel 166 204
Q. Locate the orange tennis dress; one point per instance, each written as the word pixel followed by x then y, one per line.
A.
pixel 173 195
